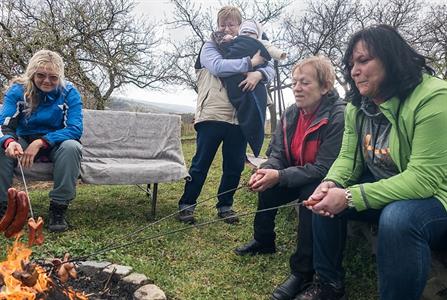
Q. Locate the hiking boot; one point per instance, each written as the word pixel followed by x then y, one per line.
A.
pixel 186 216
pixel 292 286
pixel 322 291
pixel 254 247
pixel 57 222
pixel 228 216
pixel 3 207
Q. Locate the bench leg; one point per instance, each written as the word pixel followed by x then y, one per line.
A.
pixel 153 197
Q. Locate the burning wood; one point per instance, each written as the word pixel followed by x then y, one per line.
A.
pixel 16 270
pixel 28 275
pixel 22 279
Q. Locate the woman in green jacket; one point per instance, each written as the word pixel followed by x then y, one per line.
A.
pixel 391 170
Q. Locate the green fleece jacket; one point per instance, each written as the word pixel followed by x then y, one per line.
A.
pixel 418 146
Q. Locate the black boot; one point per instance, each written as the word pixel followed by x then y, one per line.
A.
pixel 57 222
pixel 292 286
pixel 254 247
pixel 322 291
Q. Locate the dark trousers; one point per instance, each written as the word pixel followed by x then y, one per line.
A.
pixel 264 224
pixel 210 134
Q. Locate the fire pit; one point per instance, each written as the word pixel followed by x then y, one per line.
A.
pixel 103 280
pixel 20 279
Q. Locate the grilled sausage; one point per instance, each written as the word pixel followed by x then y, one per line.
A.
pixel 10 210
pixel 21 215
pixel 35 235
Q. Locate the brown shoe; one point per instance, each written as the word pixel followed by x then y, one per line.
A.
pixel 186 216
pixel 228 216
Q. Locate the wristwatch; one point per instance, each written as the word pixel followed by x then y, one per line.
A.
pixel 348 197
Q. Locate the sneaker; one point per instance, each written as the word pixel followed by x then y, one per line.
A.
pixel 57 222
pixel 186 216
pixel 228 216
pixel 322 291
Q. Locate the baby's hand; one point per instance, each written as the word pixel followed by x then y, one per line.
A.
pixel 227 38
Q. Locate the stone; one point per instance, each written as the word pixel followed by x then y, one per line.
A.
pixel 120 270
pixel 136 279
pixel 93 266
pixel 149 292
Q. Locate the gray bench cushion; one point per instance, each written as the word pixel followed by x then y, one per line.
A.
pixel 131 148
pixel 125 148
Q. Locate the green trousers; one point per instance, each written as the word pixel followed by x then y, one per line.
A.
pixel 66 158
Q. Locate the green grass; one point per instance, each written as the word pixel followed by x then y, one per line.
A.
pixel 194 264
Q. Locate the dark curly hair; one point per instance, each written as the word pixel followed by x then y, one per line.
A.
pixel 403 65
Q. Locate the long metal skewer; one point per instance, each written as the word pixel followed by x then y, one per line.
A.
pixel 142 228
pixel 26 188
pixel 147 238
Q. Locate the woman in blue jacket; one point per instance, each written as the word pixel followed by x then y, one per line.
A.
pixel 41 119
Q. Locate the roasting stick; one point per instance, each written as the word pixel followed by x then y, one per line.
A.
pixel 162 234
pixel 26 188
pixel 137 231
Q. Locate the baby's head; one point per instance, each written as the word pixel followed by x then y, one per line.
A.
pixel 250 28
pixel 220 37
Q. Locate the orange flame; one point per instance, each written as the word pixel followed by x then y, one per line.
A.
pixel 14 289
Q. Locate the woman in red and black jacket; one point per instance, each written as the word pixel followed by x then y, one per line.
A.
pixel 302 150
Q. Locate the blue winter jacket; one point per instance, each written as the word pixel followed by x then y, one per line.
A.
pixel 58 116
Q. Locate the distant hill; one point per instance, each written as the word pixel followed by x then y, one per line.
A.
pixel 129 104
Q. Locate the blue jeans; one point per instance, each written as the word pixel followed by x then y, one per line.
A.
pixel 210 134
pixel 408 230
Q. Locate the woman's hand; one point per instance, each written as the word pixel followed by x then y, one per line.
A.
pixel 257 59
pixel 14 150
pixel 319 193
pixel 30 153
pixel 250 82
pixel 264 179
pixel 333 203
pixel 254 178
pixel 322 190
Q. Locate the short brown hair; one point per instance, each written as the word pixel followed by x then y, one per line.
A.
pixel 323 67
pixel 229 12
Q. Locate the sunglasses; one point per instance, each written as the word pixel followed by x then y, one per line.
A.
pixel 43 76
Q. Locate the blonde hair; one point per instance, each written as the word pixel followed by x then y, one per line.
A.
pixel 41 59
pixel 323 68
pixel 229 12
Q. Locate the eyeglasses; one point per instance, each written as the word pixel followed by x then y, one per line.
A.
pixel 43 76
pixel 229 25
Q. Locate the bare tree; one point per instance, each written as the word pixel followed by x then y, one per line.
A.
pixel 103 44
pixel 324 29
pixel 404 15
pixel 434 43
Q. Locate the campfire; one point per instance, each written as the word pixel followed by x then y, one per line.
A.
pixel 22 279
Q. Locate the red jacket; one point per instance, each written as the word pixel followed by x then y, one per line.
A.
pixel 322 142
